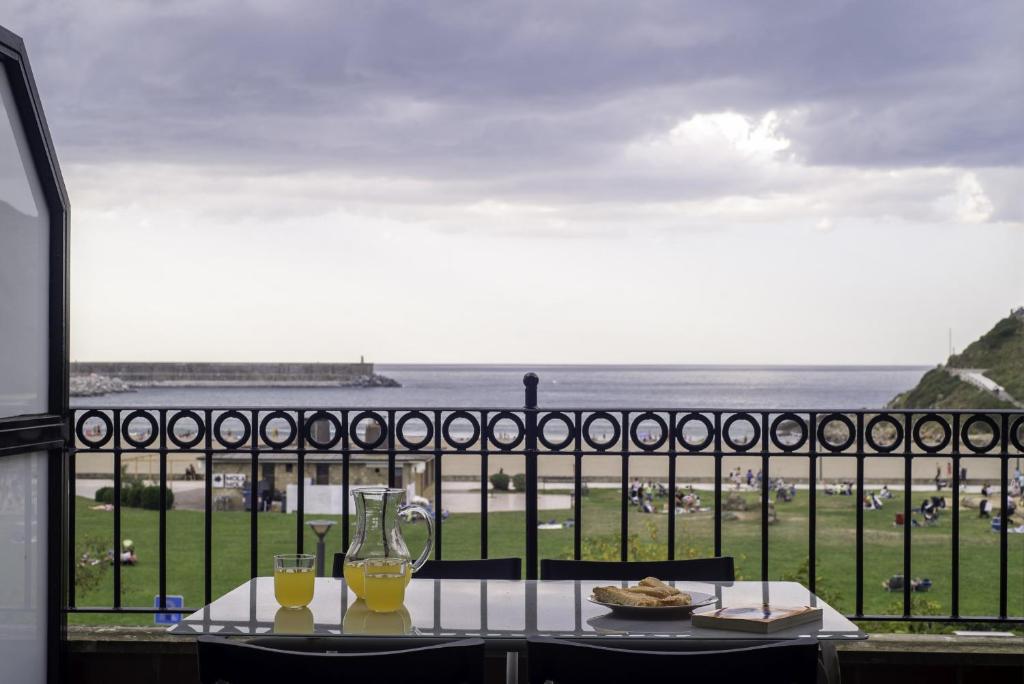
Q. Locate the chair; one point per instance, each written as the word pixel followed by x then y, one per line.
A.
pixel 565 662
pixel 457 662
pixel 718 569
pixel 489 568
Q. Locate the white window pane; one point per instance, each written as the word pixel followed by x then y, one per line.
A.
pixel 24 270
pixel 23 567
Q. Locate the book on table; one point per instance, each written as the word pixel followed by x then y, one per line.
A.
pixel 762 619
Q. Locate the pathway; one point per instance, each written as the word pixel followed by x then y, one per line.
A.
pixel 977 378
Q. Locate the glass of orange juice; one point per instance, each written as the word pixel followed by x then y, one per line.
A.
pixel 293 579
pixel 384 581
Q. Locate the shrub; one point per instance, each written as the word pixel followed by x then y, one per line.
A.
pixel 91 561
pixel 519 482
pixel 499 480
pixel 150 498
pixel 105 495
pixel 131 495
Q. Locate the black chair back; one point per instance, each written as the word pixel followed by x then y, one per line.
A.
pixel 457 662
pixel 489 568
pixel 565 662
pixel 718 569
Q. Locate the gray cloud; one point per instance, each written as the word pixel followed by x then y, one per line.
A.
pixel 527 100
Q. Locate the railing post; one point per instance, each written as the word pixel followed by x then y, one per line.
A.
pixel 530 381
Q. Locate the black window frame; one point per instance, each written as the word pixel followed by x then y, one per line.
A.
pixel 46 431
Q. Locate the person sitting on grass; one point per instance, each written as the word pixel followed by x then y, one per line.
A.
pixel 127 555
pixel 782 492
pixel 929 511
pixel 885 493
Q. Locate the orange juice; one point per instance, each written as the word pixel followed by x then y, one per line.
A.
pixel 384 585
pixel 361 620
pixel 293 621
pixel 293 587
pixel 354 575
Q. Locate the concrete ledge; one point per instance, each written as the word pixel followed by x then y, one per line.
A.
pixel 936 648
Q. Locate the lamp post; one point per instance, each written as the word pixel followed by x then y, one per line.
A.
pixel 320 529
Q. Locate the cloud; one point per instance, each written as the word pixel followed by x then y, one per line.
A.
pixel 721 110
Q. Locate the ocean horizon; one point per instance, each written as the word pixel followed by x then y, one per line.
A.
pixel 814 387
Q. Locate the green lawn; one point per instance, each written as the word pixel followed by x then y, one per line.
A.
pixel 883 546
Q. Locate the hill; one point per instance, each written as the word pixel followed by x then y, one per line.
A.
pixel 997 356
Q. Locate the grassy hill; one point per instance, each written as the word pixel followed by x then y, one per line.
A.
pixel 1000 352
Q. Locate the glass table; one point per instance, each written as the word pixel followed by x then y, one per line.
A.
pixel 495 610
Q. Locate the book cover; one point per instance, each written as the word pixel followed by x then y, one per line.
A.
pixel 760 619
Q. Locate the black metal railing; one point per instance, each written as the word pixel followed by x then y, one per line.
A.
pixel 397 434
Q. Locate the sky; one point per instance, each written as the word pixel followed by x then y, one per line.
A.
pixel 533 182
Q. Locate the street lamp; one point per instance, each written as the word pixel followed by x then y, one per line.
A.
pixel 320 529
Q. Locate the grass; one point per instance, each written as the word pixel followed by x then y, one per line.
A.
pixel 1001 351
pixel 939 389
pixel 883 545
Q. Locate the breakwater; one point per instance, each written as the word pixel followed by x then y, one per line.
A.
pixel 95 378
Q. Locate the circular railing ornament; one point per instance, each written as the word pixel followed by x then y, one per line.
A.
pixel 107 424
pixel 851 432
pixel 265 429
pixel 126 433
pixel 311 420
pixel 492 426
pixel 947 433
pixel 382 434
pixel 869 433
pixel 749 420
pixel 965 433
pixel 597 445
pixel 218 429
pixel 773 432
pixel 460 444
pixel 179 442
pixel 681 432
pixel 634 428
pixel 570 430
pixel 400 430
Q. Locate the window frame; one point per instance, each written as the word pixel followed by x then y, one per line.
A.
pixel 46 431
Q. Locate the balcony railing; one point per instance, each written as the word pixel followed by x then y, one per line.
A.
pixel 397 434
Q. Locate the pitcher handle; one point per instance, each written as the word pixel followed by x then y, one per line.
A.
pixel 416 508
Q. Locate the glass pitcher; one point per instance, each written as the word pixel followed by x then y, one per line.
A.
pixel 378 536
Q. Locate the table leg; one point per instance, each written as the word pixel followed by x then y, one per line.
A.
pixel 512 667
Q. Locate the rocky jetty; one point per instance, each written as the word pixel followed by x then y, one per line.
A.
pixel 375 380
pixel 93 385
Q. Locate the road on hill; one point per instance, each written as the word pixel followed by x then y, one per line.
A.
pixel 977 378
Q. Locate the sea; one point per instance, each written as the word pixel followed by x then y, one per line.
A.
pixel 564 386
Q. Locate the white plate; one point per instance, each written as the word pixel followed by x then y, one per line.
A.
pixel 698 599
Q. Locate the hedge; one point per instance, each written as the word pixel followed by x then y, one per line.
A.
pixel 136 495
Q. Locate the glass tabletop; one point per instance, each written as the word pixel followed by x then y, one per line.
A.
pixel 493 609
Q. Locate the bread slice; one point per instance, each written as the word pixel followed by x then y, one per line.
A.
pixel 680 599
pixel 622 597
pixel 658 584
pixel 655 592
